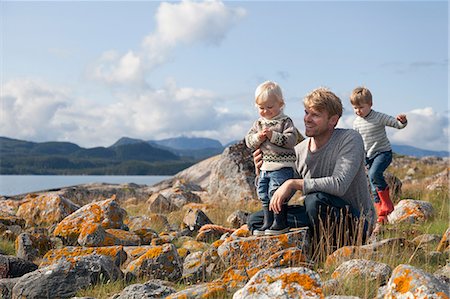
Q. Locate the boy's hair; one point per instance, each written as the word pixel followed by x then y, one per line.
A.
pixel 323 99
pixel 361 95
pixel 267 89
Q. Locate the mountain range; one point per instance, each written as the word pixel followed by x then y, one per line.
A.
pixel 127 156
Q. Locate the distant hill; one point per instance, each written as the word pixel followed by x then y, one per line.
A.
pixel 122 158
pixel 194 147
pixel 417 152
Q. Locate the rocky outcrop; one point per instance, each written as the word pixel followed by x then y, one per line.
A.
pixel 229 176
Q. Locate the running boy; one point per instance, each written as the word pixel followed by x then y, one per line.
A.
pixel 275 134
pixel 371 125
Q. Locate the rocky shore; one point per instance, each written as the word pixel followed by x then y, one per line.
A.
pixel 74 238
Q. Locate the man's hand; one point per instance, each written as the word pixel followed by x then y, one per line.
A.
pixel 257 159
pixel 283 193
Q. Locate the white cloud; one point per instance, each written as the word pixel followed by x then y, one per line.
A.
pixel 186 22
pixel 28 109
pixel 34 111
pixel 426 129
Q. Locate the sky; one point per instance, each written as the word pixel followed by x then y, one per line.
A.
pixel 91 72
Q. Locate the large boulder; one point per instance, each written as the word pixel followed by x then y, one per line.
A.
pixel 295 282
pixel 227 176
pixel 64 279
pixel 45 210
pixel 159 262
pixel 248 252
pixel 410 282
pixel 107 213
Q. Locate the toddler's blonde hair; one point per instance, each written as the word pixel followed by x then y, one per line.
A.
pixel 323 99
pixel 361 95
pixel 266 90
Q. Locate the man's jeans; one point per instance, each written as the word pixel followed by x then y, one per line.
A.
pixel 270 181
pixel 376 167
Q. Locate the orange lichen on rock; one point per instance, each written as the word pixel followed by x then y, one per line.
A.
pixel 403 282
pixel 70 253
pixel 214 290
pixel 234 277
pixel 107 213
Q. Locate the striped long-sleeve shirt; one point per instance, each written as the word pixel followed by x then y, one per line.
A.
pixel 373 132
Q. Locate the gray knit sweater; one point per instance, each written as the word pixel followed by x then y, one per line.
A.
pixel 337 168
pixel 278 152
pixel 373 132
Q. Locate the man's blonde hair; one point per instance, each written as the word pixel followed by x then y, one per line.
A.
pixel 361 95
pixel 323 99
pixel 267 89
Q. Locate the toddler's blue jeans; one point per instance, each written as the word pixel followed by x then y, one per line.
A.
pixel 269 181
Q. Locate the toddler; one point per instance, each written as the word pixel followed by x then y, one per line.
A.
pixel 275 135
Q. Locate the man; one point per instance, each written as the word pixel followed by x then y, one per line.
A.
pixel 330 168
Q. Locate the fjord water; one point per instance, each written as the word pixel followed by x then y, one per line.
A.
pixel 20 184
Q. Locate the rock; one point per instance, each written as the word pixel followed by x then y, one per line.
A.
pixel 178 198
pixel 31 246
pixel 444 271
pixel 107 213
pixel 228 176
pixel 210 290
pixel 248 252
pixel 195 219
pixel 65 278
pixel 282 283
pixel 9 219
pixel 160 262
pixel 193 268
pixel 154 288
pixel 409 282
pixel 6 286
pixel 158 203
pixel 411 211
pixel 365 270
pixel 238 218
pixel 71 254
pixel 426 239
pixel 86 193
pixel 45 210
pixel 155 222
pixel 194 246
pixel 94 235
pixel 377 249
pixel 11 266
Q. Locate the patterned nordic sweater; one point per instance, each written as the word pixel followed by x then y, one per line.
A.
pixel 373 132
pixel 278 152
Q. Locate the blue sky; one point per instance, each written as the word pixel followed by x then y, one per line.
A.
pixel 92 72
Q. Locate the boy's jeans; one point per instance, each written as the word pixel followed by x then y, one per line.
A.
pixel 376 167
pixel 269 181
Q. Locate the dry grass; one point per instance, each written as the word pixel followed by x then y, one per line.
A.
pixel 7 247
